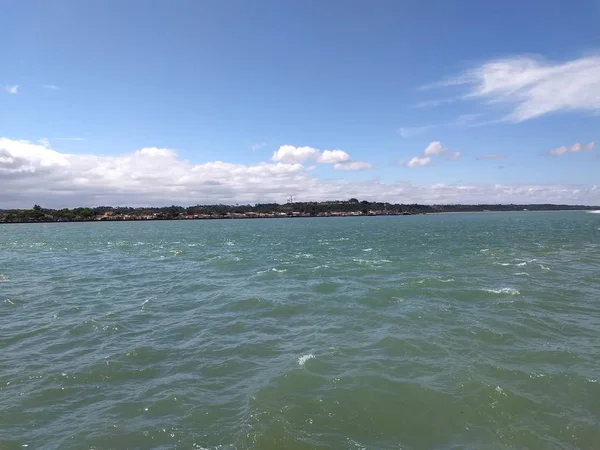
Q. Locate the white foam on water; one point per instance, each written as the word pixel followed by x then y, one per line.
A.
pixel 522 273
pixel 504 290
pixel 3 278
pixel 229 243
pixel 143 305
pixel 367 250
pixel 304 255
pixel 449 280
pixel 521 264
pixel 484 250
pixel 543 267
pixel 302 359
pixel 594 212
pixel 370 261
pixel 260 272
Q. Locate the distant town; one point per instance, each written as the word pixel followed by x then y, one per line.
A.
pixel 352 207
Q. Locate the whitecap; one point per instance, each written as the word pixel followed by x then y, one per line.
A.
pixel 367 250
pixel 522 273
pixel 260 272
pixel 484 250
pixel 504 290
pixel 302 359
pixel 449 280
pixel 229 243
pixel 594 212
pixel 543 267
pixel 521 264
pixel 3 278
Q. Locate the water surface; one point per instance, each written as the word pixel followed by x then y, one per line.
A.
pixel 455 331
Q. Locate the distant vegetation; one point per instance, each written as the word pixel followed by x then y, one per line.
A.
pixel 352 207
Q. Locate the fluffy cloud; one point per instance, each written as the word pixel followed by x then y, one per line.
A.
pixel 31 173
pixel 12 89
pixel 492 156
pixel 291 154
pixel 575 148
pixel 531 87
pixel 338 158
pixel 434 149
pixel 333 157
pixel 418 161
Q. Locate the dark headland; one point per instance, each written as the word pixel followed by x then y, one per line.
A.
pixel 352 207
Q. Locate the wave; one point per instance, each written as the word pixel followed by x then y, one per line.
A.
pixel 260 272
pixel 370 261
pixel 594 212
pixel 3 278
pixel 302 359
pixel 504 290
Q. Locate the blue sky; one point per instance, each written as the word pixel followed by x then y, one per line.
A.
pixel 262 89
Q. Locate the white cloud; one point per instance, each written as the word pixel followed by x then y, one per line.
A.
pixel 12 89
pixel 492 156
pixel 333 157
pixel 418 161
pixel 353 166
pixel 338 158
pixel 434 149
pixel 31 174
pixel 291 154
pixel 531 87
pixel 45 142
pixel 575 148
pixel 258 145
pixel 51 87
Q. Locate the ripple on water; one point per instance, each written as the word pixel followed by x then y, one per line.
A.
pixel 455 331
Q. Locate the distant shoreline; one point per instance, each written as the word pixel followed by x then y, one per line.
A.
pixel 241 216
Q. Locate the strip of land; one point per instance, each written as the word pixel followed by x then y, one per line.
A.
pixel 352 207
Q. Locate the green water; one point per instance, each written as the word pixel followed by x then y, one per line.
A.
pixel 459 331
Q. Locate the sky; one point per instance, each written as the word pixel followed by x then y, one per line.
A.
pixel 156 102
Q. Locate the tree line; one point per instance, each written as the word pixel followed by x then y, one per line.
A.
pixel 352 206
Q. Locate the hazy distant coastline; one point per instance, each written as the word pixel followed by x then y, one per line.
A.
pixel 352 207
